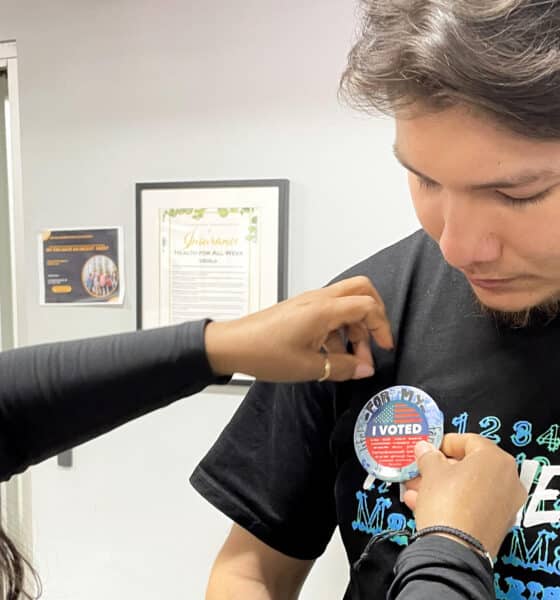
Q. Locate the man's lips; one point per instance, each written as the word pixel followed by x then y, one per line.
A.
pixel 492 283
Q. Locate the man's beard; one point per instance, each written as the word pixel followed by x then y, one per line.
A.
pixel 542 314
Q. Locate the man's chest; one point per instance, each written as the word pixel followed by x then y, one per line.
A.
pixel 504 389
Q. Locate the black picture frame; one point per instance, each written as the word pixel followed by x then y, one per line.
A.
pixel 268 198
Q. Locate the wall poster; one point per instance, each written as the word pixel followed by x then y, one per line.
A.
pixel 81 266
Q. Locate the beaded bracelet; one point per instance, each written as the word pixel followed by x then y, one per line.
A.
pixel 475 544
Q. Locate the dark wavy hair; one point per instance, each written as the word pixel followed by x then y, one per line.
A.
pixel 15 570
pixel 500 56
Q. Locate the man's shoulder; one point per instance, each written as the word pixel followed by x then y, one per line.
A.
pixel 412 255
pixel 411 271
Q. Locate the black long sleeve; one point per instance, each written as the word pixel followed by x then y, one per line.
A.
pixel 437 567
pixel 56 396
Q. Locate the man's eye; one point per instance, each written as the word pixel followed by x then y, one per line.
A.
pixel 426 183
pixel 525 200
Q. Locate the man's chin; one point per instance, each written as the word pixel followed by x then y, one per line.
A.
pixel 520 316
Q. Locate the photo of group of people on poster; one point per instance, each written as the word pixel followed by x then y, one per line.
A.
pixel 100 276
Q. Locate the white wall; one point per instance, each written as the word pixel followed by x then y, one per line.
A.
pixel 116 92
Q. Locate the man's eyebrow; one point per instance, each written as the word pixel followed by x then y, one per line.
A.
pixel 522 179
pixel 410 168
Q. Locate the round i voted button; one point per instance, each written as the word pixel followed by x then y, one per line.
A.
pixel 389 426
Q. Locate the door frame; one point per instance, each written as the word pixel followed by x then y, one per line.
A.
pixel 15 495
pixel 8 62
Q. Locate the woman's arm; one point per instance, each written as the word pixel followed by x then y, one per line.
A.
pixel 56 396
pixel 437 567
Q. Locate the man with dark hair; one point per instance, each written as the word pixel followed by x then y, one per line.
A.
pixel 473 300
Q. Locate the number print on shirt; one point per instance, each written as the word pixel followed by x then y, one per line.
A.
pixel 550 438
pixel 492 424
pixel 460 421
pixel 522 433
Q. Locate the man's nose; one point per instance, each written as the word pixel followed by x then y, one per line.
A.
pixel 469 234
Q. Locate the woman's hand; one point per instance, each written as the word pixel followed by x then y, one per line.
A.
pixel 471 484
pixel 284 342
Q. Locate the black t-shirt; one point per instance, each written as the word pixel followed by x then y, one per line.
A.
pixel 285 467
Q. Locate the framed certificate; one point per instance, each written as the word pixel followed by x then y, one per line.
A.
pixel 214 249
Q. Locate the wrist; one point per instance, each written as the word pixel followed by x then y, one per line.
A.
pixel 458 535
pixel 220 342
pixel 450 537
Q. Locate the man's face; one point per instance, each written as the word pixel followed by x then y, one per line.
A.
pixel 491 200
